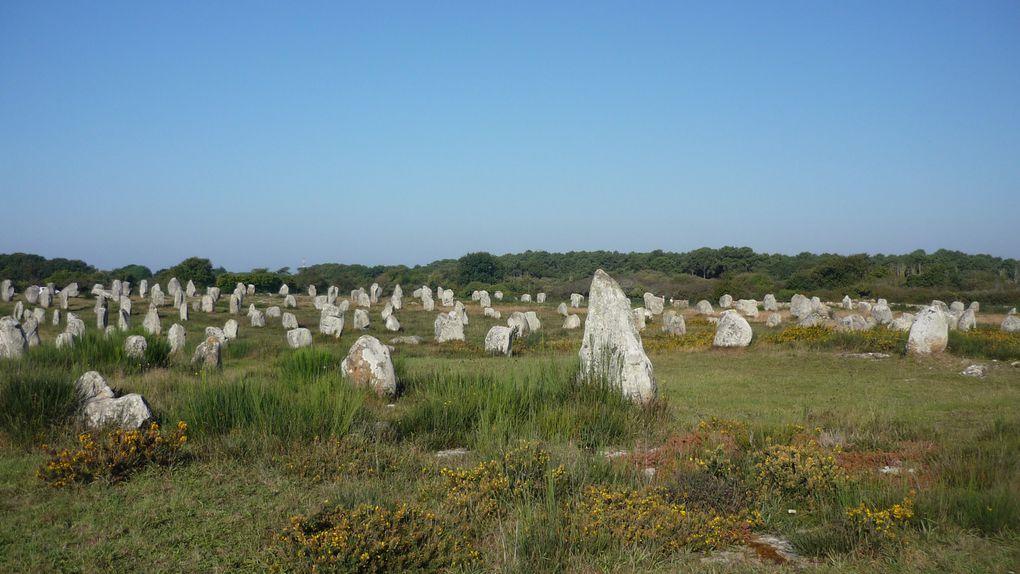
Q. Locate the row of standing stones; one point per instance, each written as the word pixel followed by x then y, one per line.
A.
pixel 611 345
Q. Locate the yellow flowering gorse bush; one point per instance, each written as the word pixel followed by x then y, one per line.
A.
pixel 112 456
pixel 633 517
pixel 884 522
pixel 370 538
pixel 802 471
pixel 482 489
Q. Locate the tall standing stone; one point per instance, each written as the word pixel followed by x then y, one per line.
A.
pixel 176 337
pixel 151 323
pixel 611 346
pixel 929 333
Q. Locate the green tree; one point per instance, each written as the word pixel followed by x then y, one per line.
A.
pixel 481 267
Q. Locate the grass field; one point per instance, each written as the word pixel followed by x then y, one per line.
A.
pixel 787 438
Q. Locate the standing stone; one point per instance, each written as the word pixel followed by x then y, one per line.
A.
pixel 321 301
pixel 6 290
pixel 190 289
pixel 39 315
pixel 447 298
pixel 397 300
pixel 183 310
pixel 562 309
pixel 1011 324
pixel 207 303
pixel 156 297
pixel 230 329
pixel 611 347
pixel 392 324
pixel 134 346
pixel 289 302
pixel 458 308
pixel 773 320
pixel 852 322
pixel 902 323
pixel 217 333
pixel 368 364
pixel 929 333
pixel 490 312
pixel 45 298
pixel 30 327
pixel 312 291
pixel 250 289
pixel 847 302
pixel 363 300
pixel 257 319
pixel 331 325
pixel 56 317
pixel 427 303
pixel 289 321
pixel 102 318
pixel 526 298
pixel 32 294
pixel 540 298
pixel 975 306
pixel 747 307
pixel 208 354
pixel 19 311
pixel 800 306
pixel 726 301
pixel 151 322
pixel 534 325
pixel 143 288
pixel 387 311
pixel 374 292
pixel 64 295
pixel 673 324
pixel 703 307
pixel 519 322
pixel 498 295
pixel 448 328
pixel 882 313
pixel 75 326
pixel 360 319
pixel 654 304
pixel 124 303
pixel 284 290
pixel 499 340
pixel 483 299
pixel 770 303
pixel 732 331
pixel 176 336
pixel 173 285
pixel 298 338
pixel 571 322
pixel 123 320
pixel 235 304
pixel 273 312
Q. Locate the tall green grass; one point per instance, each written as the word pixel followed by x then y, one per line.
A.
pixel 34 401
pixel 94 351
pixel 488 410
pixel 286 409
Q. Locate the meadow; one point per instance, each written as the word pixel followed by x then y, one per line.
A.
pixel 796 452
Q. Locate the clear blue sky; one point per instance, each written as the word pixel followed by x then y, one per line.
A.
pixel 264 134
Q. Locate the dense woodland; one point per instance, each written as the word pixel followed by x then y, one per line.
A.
pixel 702 273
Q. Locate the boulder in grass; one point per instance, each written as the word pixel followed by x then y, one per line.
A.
pixel 448 327
pixel 208 354
pixel 732 331
pixel 298 338
pixel 99 407
pixel 929 333
pixel 135 346
pixel 368 364
pixel 571 322
pixel 499 340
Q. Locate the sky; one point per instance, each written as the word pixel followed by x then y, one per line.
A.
pixel 272 134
